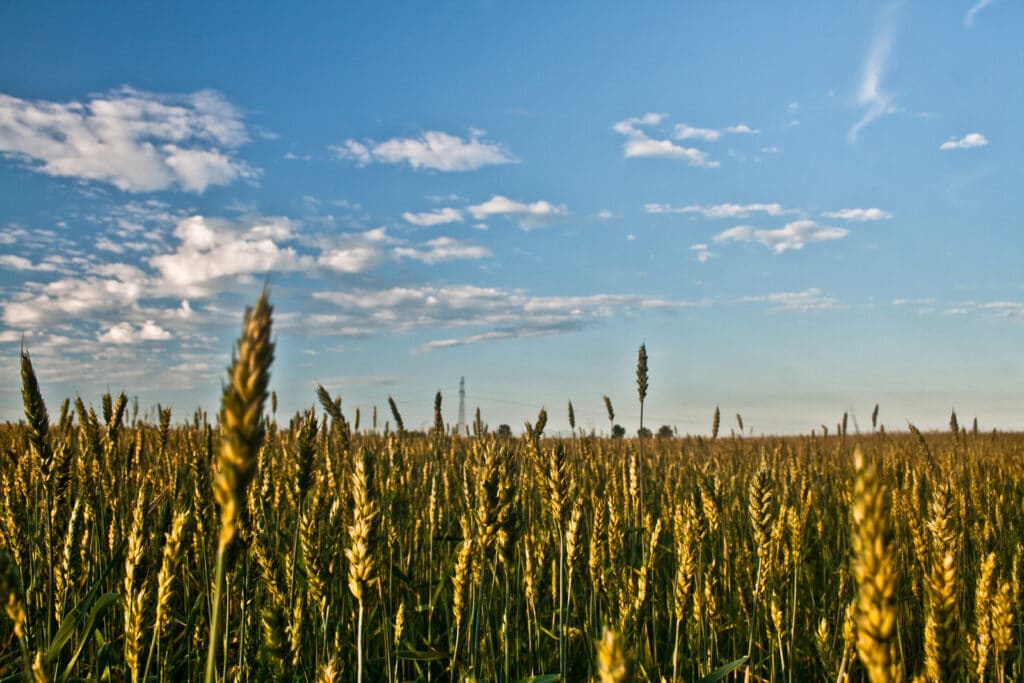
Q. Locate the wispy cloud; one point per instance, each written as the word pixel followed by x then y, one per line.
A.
pixel 435 150
pixel 443 249
pixel 792 236
pixel 972 13
pixel 871 96
pixel 134 140
pixel 530 215
pixel 702 253
pixel 1006 309
pixel 495 313
pixel 685 131
pixel 805 301
pixel 721 210
pixel 431 218
pixel 858 215
pixel 966 142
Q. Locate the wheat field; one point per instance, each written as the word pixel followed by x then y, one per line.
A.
pixel 315 549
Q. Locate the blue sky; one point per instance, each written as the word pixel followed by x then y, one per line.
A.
pixel 803 209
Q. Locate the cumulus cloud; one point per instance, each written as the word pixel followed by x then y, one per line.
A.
pixel 435 150
pixel 859 215
pixel 871 96
pixel 15 262
pixel 530 215
pixel 75 297
pixel 126 333
pixel 792 236
pixel 356 252
pixel 443 249
pixel 431 218
pixel 966 142
pixel 211 248
pixel 720 210
pixel 631 127
pixel 639 144
pixel 647 147
pixel 133 140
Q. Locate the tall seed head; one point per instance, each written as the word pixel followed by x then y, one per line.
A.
pixel 363 532
pixel 11 595
pixel 608 407
pixel 641 372
pixel 438 418
pixel 398 417
pixel 613 666
pixel 305 452
pixel 874 568
pixel 35 409
pixel 241 416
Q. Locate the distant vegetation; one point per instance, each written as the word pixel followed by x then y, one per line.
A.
pixel 313 549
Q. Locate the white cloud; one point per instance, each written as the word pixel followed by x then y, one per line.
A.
pixel 134 140
pixel 213 248
pixel 806 301
pixel 126 333
pixel 605 215
pixel 15 262
pixel 74 297
pixel 974 10
pixel 443 249
pixel 432 218
pixel 966 142
pixel 870 95
pixel 771 149
pixel 647 147
pixel 793 236
pixel 702 252
pixel 1006 309
pixel 721 210
pixel 639 144
pixel 356 252
pixel 434 150
pixel 531 215
pixel 351 149
pixel 859 215
pixel 630 127
pixel 686 132
pixel 501 312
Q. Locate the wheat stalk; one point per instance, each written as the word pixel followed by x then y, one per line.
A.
pixel 242 435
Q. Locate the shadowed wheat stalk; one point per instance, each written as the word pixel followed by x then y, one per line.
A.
pixel 874 569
